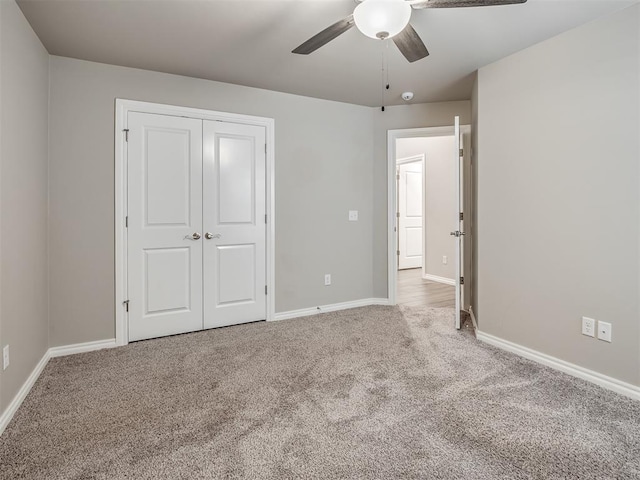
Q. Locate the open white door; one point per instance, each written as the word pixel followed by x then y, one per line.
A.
pixel 410 202
pixel 458 233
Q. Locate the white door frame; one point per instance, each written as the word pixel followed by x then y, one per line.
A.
pixel 123 107
pixel 392 198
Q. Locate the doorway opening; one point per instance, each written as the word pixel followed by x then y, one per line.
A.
pixel 429 199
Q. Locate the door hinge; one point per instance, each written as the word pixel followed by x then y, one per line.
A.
pixel 461 216
pixel 265 289
pixel 265 218
pixel 265 148
pixel 398 214
pixel 461 280
pixel 126 134
pixel 126 221
pixel 126 305
pixel 398 252
pixel 461 152
pixel 398 177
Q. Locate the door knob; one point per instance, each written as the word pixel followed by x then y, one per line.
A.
pixel 210 235
pixel 193 236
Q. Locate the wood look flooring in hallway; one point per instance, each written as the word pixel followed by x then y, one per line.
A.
pixel 414 291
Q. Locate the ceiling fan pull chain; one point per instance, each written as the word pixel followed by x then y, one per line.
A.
pixel 382 72
pixel 386 61
pixel 385 69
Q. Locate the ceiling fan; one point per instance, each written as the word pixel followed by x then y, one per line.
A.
pixel 384 19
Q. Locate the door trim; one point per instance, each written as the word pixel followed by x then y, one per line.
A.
pixel 122 109
pixel 392 239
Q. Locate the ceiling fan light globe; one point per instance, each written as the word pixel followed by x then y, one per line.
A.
pixel 382 18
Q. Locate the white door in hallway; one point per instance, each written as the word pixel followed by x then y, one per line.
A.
pixel 235 224
pixel 410 205
pixel 164 225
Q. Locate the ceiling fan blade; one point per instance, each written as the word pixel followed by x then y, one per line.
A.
pixel 325 36
pixel 410 44
pixel 461 3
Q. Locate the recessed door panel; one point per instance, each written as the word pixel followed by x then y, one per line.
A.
pixel 168 176
pixel 164 256
pixel 236 179
pixel 236 274
pixel 413 242
pixel 167 279
pixel 413 193
pixel 234 213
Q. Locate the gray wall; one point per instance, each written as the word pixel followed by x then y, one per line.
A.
pixel 323 170
pixel 439 200
pixel 23 197
pixel 558 195
pixel 394 118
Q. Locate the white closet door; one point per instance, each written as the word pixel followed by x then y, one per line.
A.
pixel 234 221
pixel 165 223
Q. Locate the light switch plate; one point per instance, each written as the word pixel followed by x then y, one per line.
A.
pixel 353 215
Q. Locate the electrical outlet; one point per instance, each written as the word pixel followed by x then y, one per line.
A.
pixel 5 357
pixel 604 331
pixel 327 279
pixel 353 215
pixel 588 326
pixel 445 260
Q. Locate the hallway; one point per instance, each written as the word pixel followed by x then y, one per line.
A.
pixel 414 291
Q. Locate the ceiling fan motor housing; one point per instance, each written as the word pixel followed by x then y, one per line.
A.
pixel 382 19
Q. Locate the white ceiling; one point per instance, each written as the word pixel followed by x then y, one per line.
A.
pixel 248 42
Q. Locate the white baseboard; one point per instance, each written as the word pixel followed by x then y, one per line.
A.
pixel 10 411
pixel 435 278
pixel 305 312
pixel 604 381
pixel 12 408
pixel 81 348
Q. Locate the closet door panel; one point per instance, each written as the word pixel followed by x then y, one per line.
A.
pixel 164 212
pixel 234 222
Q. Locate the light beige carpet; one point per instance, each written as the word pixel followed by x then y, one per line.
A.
pixel 375 392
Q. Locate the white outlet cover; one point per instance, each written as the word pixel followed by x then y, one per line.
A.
pixel 445 260
pixel 588 326
pixel 353 215
pixel 327 279
pixel 604 331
